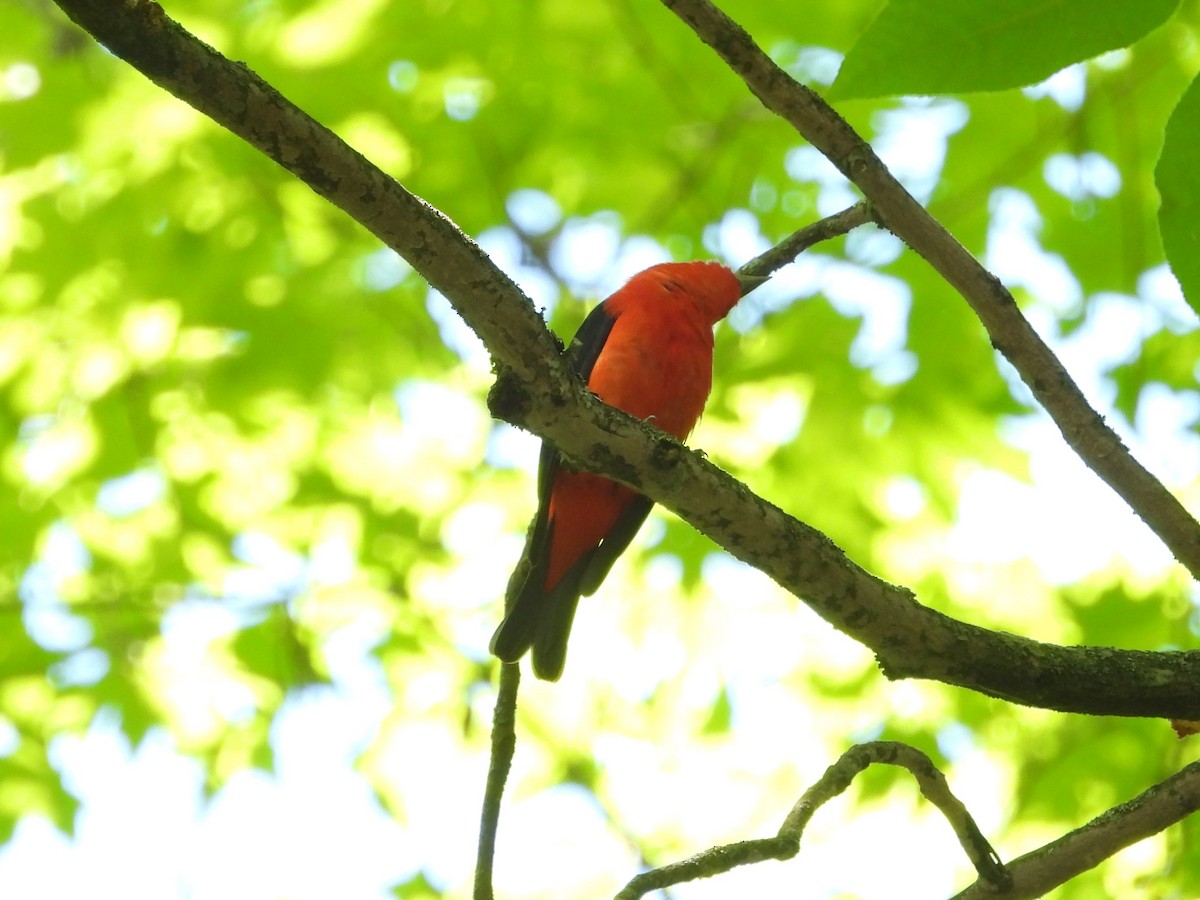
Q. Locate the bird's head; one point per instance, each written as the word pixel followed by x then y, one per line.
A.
pixel 713 287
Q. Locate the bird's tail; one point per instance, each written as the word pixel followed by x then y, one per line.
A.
pixel 539 619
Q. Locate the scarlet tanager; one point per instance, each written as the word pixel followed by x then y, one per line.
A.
pixel 648 350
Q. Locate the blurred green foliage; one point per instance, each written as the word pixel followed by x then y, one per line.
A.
pixel 226 412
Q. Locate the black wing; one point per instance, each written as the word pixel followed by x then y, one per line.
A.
pixel 589 340
pixel 534 617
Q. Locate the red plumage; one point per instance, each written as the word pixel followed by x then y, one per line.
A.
pixel 646 350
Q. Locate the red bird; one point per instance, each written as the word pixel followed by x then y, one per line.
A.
pixel 647 350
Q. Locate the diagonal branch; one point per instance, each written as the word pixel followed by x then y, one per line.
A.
pixel 1010 332
pixel 1150 812
pixel 534 390
pixel 909 640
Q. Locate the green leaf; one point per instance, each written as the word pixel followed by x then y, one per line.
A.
pixel 1178 180
pixel 20 656
pixel 721 716
pixel 275 650
pixel 28 785
pixel 948 46
pixel 416 888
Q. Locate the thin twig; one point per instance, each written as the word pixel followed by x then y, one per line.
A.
pixel 786 843
pixel 930 781
pixel 504 743
pixel 796 243
pixel 1083 429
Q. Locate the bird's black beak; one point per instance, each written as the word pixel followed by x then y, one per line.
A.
pixel 750 282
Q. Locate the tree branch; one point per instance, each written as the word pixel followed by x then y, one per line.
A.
pixel 1025 878
pixel 1036 873
pixel 786 843
pixel 536 391
pixel 504 743
pixel 796 243
pixel 1084 430
pixel 909 640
